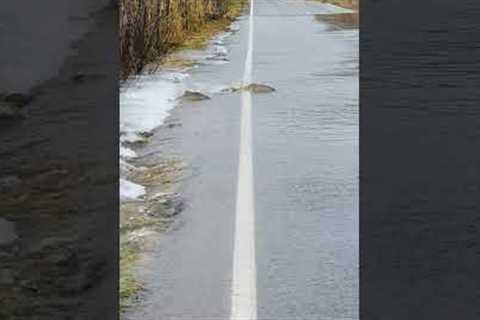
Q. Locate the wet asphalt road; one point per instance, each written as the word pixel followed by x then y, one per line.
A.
pixel 305 163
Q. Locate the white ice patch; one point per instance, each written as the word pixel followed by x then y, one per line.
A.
pixel 146 101
pixel 220 39
pixel 130 190
pixel 126 153
pixel 145 105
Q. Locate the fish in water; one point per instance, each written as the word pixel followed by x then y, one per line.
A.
pixel 195 96
pixel 258 88
pixel 253 87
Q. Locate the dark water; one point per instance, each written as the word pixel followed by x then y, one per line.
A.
pixel 420 129
pixel 47 160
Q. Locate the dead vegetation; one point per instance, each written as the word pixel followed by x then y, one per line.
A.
pixel 151 28
pixel 142 219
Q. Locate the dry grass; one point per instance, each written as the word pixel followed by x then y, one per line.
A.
pixel 149 29
pixel 129 285
pixel 200 37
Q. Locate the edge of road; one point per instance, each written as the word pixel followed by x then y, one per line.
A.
pixel 133 254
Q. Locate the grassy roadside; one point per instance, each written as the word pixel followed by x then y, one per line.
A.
pixel 151 29
pixel 140 219
pixel 199 38
pixel 129 284
pixel 133 230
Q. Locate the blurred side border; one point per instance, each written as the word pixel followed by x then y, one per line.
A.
pixel 59 161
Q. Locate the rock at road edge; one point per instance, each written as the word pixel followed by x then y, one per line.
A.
pixel 195 96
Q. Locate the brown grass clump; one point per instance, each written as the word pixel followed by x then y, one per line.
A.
pixel 151 28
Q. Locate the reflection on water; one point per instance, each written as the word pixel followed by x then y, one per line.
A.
pixel 339 20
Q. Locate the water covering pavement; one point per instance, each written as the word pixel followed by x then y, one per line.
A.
pixel 305 148
pixel 306 165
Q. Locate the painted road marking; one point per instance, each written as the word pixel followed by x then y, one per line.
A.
pixel 244 287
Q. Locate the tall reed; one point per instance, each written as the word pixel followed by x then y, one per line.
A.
pixel 150 28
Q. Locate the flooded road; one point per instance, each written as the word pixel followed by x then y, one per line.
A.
pixel 306 164
pixel 305 171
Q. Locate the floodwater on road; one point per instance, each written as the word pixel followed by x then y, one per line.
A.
pixel 305 163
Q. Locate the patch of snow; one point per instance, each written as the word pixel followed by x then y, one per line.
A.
pixel 145 106
pixel 126 153
pixel 130 190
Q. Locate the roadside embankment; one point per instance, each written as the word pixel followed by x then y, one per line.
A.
pixel 143 218
pixel 151 28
